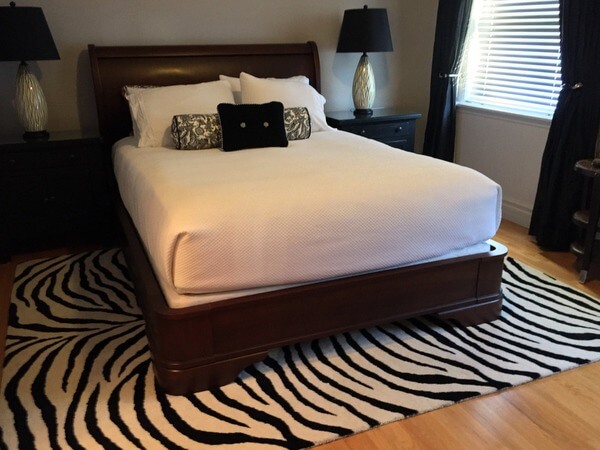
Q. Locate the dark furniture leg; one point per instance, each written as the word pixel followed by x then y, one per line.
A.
pixel 590 232
pixel 587 219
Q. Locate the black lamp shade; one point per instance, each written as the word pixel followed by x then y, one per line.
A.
pixel 365 30
pixel 24 35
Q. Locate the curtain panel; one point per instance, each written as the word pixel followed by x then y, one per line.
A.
pixel 574 128
pixel 451 30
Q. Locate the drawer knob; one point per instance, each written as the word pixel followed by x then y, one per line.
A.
pixel 398 129
pixel 71 155
pixel 363 131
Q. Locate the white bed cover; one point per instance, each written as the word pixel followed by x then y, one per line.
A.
pixel 217 224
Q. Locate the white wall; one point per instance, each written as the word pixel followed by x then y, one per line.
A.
pixel 506 148
pixel 401 76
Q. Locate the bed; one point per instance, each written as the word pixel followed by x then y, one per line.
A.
pixel 208 343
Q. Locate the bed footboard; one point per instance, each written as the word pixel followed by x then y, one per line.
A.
pixel 204 346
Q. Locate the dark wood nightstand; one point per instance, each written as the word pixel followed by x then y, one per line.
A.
pixel 52 192
pixel 387 125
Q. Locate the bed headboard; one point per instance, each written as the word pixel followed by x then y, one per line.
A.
pixel 115 67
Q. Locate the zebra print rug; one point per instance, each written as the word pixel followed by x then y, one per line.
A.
pixel 78 374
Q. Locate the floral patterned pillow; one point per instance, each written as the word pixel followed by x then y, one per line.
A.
pixel 297 123
pixel 196 131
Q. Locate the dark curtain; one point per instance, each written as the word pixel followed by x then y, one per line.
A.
pixel 451 29
pixel 574 128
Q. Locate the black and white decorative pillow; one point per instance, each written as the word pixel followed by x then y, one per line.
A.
pixel 297 123
pixel 196 131
pixel 252 126
pixel 203 131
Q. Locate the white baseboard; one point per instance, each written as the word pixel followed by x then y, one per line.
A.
pixel 517 213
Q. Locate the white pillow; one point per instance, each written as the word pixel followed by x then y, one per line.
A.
pixel 134 108
pixel 291 93
pixel 152 110
pixel 236 88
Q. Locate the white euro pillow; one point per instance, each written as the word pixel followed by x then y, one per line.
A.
pixel 152 110
pixel 236 87
pixel 291 93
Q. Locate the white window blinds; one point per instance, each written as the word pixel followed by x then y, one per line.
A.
pixel 513 56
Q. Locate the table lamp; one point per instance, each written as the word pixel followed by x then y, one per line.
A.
pixel 364 30
pixel 25 36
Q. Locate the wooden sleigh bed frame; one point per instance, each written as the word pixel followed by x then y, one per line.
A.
pixel 205 346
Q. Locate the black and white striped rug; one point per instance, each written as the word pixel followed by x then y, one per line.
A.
pixel 78 374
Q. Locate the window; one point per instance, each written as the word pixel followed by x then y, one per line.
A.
pixel 512 57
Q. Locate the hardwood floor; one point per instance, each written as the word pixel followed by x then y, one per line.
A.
pixel 558 412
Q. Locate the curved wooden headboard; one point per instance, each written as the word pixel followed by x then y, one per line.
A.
pixel 115 67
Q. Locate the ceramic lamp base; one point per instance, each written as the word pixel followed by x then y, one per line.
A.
pixel 363 112
pixel 30 102
pixel 363 86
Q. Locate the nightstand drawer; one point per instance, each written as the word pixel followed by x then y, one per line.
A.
pixel 47 196
pixel 383 131
pixel 387 125
pixel 403 144
pixel 14 162
pixel 71 157
pixel 22 197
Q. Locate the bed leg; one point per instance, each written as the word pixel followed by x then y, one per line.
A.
pixel 203 377
pixel 480 312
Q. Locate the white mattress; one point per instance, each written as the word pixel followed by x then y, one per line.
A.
pixel 219 223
